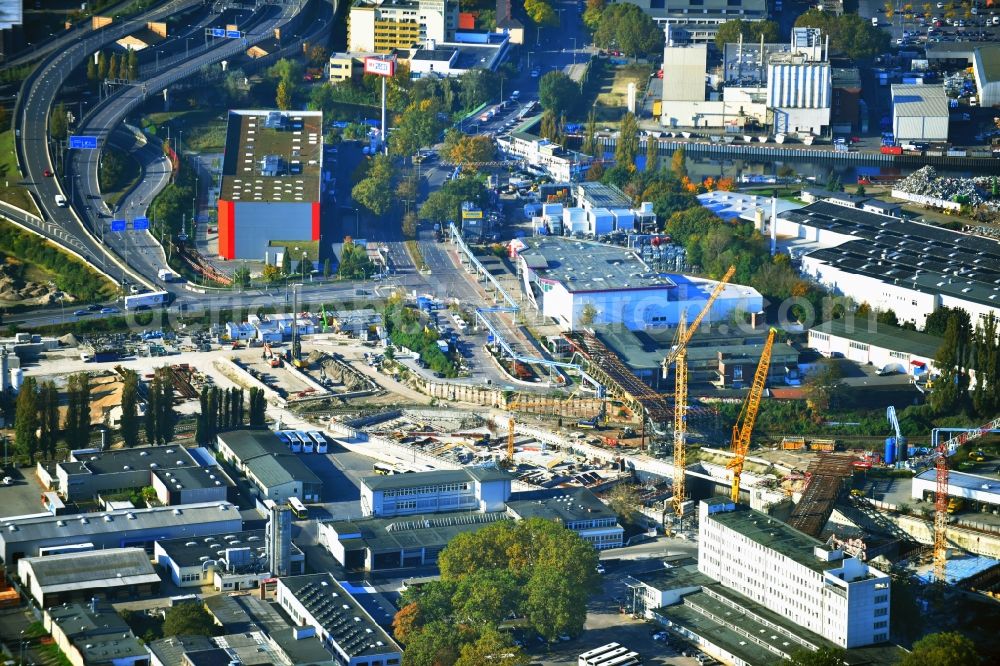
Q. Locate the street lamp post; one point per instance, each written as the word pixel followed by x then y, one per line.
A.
pixel 304 255
pixel 357 223
pixel 574 49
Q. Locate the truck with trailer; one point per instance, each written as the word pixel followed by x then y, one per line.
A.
pixel 149 300
pixel 167 275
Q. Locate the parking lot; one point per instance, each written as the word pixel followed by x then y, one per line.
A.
pixel 24 496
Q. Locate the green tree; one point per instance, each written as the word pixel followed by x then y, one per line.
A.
pixel 58 126
pixel 445 203
pixel 188 619
pixel 823 657
pixel 678 164
pixel 410 221
pixel 593 12
pixel 849 33
pixel 132 68
pixel 625 500
pixel 436 644
pixel 354 261
pixel 130 409
pixel 625 27
pixel 589 145
pixel 114 67
pixel 951 388
pixel 112 168
pixel 326 268
pixel 374 192
pixel 937 321
pixel 986 395
pixel 652 154
pixel 751 31
pixel 823 388
pixel 558 93
pixel 283 96
pixel 541 13
pixel 48 419
pixel 77 422
pixel 942 649
pixel 627 147
pixel 153 399
pixel 492 647
pixel 166 418
pixel 549 127
pixel 473 152
pixel 588 314
pixel 91 69
pixel 26 420
pixel 102 66
pixel 241 276
pixel 286 262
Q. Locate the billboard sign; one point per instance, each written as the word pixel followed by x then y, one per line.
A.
pixel 472 214
pixel 380 67
pixel 83 142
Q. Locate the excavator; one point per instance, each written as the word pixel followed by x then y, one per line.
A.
pixel 743 427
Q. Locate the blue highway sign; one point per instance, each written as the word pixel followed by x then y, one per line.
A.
pixel 118 225
pixel 233 34
pixel 83 142
pixel 218 32
pixel 140 223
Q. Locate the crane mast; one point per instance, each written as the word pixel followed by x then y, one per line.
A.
pixel 941 497
pixel 678 357
pixel 743 427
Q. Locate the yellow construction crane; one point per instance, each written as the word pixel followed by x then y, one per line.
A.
pixel 748 415
pixel 510 439
pixel 678 358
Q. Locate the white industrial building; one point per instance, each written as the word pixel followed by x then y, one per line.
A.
pixel 39 534
pixel 971 487
pixel 865 341
pixel 562 276
pixel 790 573
pixel 894 264
pixel 123 573
pixel 321 606
pixel 919 112
pixel 467 489
pixel 561 164
pixel 697 21
pixel 786 86
pixel 986 71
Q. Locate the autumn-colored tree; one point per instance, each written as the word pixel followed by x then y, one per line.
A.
pixel 405 621
pixel 708 184
pixel 725 184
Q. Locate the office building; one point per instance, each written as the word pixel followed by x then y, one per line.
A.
pixel 381 26
pixel 227 561
pixel 577 509
pixel 319 602
pixel 122 573
pixel 562 164
pixel 919 112
pixel 270 186
pixel 794 575
pixel 699 20
pixel 466 489
pixel 563 276
pixel 120 528
pixel 894 264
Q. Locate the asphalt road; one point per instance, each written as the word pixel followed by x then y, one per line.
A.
pixel 32 130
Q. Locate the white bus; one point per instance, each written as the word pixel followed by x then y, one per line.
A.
pixel 298 508
pixel 320 441
pixel 307 443
pixel 294 442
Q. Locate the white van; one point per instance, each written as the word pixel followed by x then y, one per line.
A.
pixel 875 21
pixel 60 201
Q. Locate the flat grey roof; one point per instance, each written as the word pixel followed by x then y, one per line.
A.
pixel 172 650
pixel 189 551
pixel 119 521
pixel 284 468
pixel 912 254
pixel 412 480
pixel 432 530
pixel 581 266
pixel 111 567
pixel 776 535
pixel 988 56
pixel 568 505
pixel 603 196
pixel 351 628
pixel 100 637
pixel 123 460
pixel 247 444
pixel 920 101
pixel 670 578
pixel 882 335
pixel 193 477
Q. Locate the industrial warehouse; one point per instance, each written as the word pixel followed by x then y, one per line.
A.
pixel 270 188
